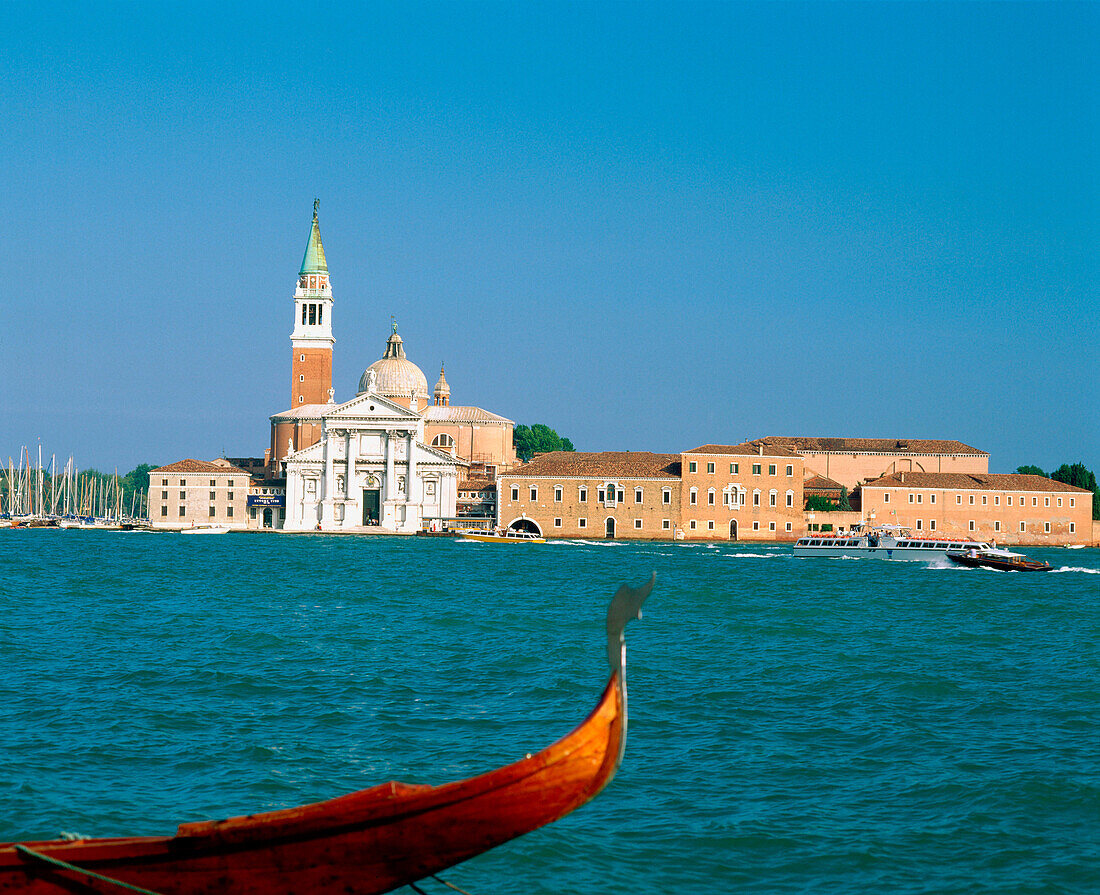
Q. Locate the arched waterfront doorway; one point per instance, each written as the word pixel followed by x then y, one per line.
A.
pixel 733 529
pixel 525 524
pixel 609 527
pixel 267 518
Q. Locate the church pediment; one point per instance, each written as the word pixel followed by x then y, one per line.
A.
pixel 313 452
pixel 370 407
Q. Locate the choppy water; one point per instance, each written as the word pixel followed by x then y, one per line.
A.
pixel 796 725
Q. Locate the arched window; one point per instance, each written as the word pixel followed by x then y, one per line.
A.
pixel 445 442
pixel 790 498
pixel 773 497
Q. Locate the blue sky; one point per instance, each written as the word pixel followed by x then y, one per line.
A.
pixel 651 226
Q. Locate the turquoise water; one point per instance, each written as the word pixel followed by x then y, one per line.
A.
pixel 796 725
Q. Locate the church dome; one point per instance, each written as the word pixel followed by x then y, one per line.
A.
pixel 394 375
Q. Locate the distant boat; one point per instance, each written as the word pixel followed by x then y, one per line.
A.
pixel 882 542
pixel 1075 546
pixel 368 842
pixel 210 529
pixel 993 558
pixel 511 536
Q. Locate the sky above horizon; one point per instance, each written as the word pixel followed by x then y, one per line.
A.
pixel 650 226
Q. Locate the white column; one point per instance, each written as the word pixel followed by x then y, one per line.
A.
pixel 328 480
pixel 391 478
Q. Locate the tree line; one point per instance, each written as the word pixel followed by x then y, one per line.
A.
pixel 1076 474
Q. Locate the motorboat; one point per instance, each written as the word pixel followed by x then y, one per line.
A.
pixel 205 529
pixel 511 536
pixel 367 842
pixel 997 558
pixel 898 542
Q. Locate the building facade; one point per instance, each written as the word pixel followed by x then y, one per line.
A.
pixel 198 492
pixel 742 492
pixel 1010 509
pixel 853 461
pixel 567 494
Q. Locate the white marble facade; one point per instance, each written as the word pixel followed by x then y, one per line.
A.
pixel 370 467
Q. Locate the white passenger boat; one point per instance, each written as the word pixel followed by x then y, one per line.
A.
pixel 882 542
pixel 205 530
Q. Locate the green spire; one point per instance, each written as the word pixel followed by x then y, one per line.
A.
pixel 314 259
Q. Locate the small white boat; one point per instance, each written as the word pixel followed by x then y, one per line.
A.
pixel 1075 546
pixel 210 529
pixel 511 536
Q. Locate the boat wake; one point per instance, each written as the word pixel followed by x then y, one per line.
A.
pixel 1077 569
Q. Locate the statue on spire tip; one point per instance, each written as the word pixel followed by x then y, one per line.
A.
pixel 316 205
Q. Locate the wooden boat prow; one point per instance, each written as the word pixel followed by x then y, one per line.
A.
pixel 370 841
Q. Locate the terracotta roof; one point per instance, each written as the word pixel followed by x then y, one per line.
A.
pixel 821 483
pixel 216 468
pixel 575 464
pixel 477 485
pixel 459 414
pixel 803 443
pixel 977 482
pixel 744 450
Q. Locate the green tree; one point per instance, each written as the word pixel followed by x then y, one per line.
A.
pixel 1080 476
pixel 844 503
pixel 538 439
pixel 818 503
pixel 1030 470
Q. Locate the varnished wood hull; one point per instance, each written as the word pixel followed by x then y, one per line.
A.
pixel 367 842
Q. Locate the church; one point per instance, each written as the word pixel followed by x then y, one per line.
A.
pixel 392 457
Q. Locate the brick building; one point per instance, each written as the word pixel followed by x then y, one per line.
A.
pixel 1010 509
pixel 197 492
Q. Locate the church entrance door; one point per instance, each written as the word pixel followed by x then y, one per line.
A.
pixel 609 527
pixel 371 504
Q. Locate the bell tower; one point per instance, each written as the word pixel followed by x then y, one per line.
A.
pixel 312 341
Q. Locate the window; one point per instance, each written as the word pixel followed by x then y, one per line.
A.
pixel 164 483
pixel 773 498
pixel 996 525
pixel 958 500
pixel 996 500
pixel 1046 528
pixel 582 495
pixel 771 526
pixel 443 441
pixel 691 525
pixel 557 494
pixel 710 468
pixel 534 492
pixel 1072 501
pixel 183 511
pixel 305 311
pixel 972 500
pixel 230 483
pixel 666 524
pixel 790 498
pixel 710 497
pixel 734 467
pixel 886 497
pixel 183 495
pixel 213 494
pixel 1009 500
pixel 164 511
pixel 931 498
pixel 312 315
pixel 557 522
pixel 756 469
pixel 1046 501
pixel 932 524
pixel 637 495
pixel 1023 526
pixel 920 498
pixel 320 313
pixel 1035 501
pixel 972 526
pixel 182 483
pixel 301 377
pixel 666 495
pixel 693 498
pixel 756 526
pixel 622 495
pixel 601 495
pixel 1072 527
pixel 710 525
pixel 771 469
pixel 213 483
pixel 163 495
pixel 912 497
pixel 985 500
pixel 756 498
pixel 790 471
pixel 1059 501
pixel 637 523
pixel 515 492
pixel 582 523
pixel 302 357
pixel 920 525
pixel 229 511
pixel 693 466
pixel 788 527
